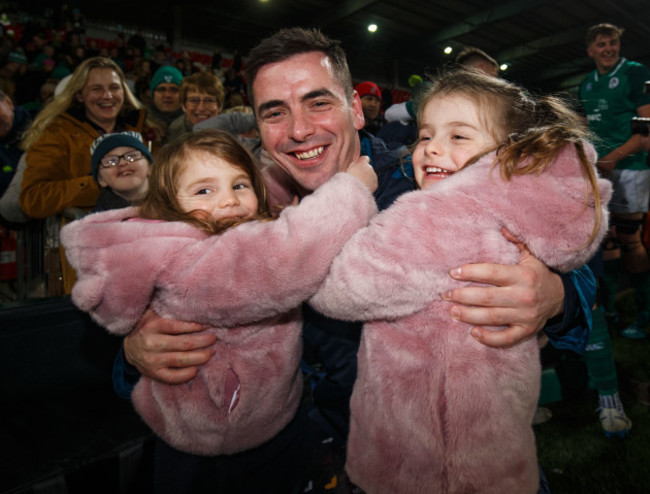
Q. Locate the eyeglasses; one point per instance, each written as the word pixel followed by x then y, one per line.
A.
pixel 131 156
pixel 167 89
pixel 198 101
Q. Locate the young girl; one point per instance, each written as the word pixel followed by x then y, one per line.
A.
pixel 246 284
pixel 434 410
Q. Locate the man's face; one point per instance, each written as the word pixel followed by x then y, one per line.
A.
pixel 167 97
pixel 305 120
pixel 6 116
pixel 371 106
pixel 605 50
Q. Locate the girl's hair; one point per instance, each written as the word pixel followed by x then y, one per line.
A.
pixel 529 132
pixel 161 200
pixel 67 99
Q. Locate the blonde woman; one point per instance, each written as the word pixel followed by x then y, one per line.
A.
pixel 95 101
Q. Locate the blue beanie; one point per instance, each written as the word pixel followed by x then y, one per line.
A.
pixel 166 74
pixel 107 142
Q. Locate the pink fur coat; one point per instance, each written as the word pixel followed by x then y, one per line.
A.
pixel 433 410
pixel 247 284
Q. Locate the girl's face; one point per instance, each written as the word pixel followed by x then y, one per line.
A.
pixel 450 134
pixel 214 186
pixel 102 97
pixel 127 179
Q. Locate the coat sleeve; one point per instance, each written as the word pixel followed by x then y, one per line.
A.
pixel 117 264
pixel 554 212
pixel 260 269
pixel 390 269
pixel 57 174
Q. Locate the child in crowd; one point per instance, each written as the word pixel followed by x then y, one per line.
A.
pixel 434 410
pixel 120 165
pixel 246 284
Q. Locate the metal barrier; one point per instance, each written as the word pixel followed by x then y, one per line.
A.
pixel 32 262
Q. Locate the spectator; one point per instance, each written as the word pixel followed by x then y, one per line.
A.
pixel 370 95
pixel 120 164
pixel 13 72
pixel 290 74
pixel 611 95
pixel 138 40
pixel 165 90
pixel 474 57
pixel 45 94
pixel 14 120
pixel 201 98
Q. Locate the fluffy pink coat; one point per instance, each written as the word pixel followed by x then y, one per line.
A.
pixel 247 284
pixel 433 410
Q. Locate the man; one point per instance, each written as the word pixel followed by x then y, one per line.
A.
pixel 611 96
pixel 308 116
pixel 165 89
pixel 370 95
pixel 470 56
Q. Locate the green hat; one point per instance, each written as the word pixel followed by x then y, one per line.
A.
pixel 166 74
pixel 17 56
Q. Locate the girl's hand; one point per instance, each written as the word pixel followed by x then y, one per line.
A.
pixel 362 170
pixel 523 298
pixel 166 350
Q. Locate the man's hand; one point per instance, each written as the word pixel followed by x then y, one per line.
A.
pixel 166 350
pixel 524 297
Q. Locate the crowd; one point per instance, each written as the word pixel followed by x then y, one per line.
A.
pixel 265 195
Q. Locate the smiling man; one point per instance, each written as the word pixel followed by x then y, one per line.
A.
pixel 612 95
pixel 165 89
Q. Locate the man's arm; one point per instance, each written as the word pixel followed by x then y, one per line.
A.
pixel 633 145
pixel 524 297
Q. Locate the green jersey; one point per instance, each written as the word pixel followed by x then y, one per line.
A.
pixel 610 101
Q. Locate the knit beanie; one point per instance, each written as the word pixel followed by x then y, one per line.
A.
pixel 107 142
pixel 166 74
pixel 18 57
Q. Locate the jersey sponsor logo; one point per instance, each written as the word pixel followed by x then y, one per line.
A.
pixel 594 117
pixel 613 82
pixel 589 86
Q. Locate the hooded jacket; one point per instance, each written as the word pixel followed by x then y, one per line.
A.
pixel 246 284
pixel 432 409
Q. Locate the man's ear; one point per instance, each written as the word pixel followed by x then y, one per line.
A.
pixel 590 52
pixel 357 110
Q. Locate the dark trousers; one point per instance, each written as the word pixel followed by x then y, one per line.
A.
pixel 278 466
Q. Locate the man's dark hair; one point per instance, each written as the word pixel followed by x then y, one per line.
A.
pixel 604 29
pixel 287 43
pixel 471 55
